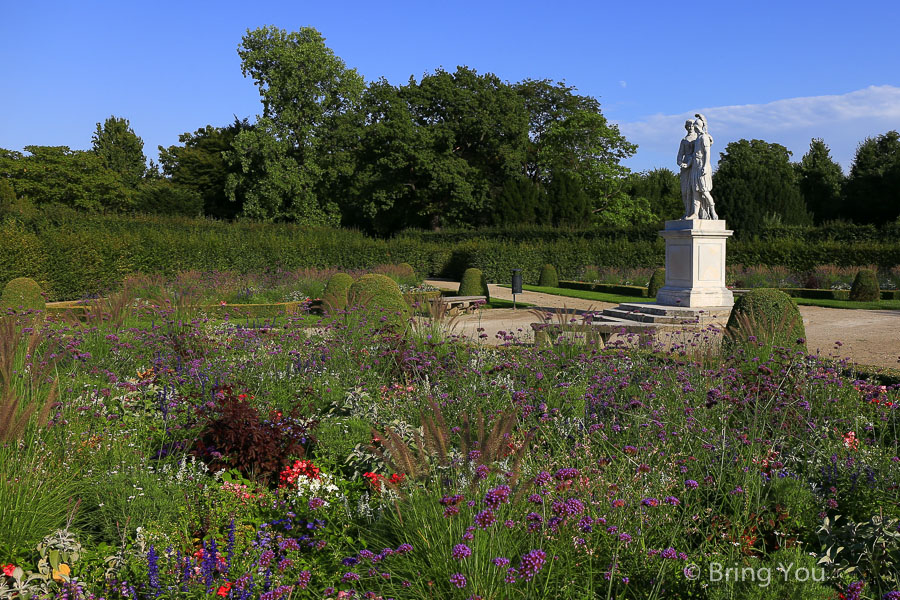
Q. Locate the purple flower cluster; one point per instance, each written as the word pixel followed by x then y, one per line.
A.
pixel 461 551
pixel 531 563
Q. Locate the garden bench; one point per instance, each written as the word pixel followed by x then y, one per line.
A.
pixel 458 304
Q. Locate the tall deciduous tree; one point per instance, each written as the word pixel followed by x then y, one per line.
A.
pixel 120 149
pixel 873 188
pixel 199 164
pixel 569 134
pixel 56 174
pixel 756 183
pixel 304 88
pixel 661 188
pixel 821 180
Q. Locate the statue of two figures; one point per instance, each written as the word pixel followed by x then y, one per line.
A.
pixel 696 170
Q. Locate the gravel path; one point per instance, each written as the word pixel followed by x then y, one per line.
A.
pixel 870 337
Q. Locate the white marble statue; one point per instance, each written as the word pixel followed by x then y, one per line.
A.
pixel 696 171
pixel 684 159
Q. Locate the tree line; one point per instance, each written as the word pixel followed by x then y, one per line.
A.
pixel 450 149
pixel 756 186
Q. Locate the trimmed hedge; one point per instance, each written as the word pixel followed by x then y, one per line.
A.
pixel 379 292
pixel 549 277
pixel 473 283
pixel 815 294
pixel 767 314
pixel 75 255
pixel 336 292
pixel 865 286
pixel 22 293
pixel 657 281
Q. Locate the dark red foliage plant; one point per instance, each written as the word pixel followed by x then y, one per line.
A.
pixel 236 436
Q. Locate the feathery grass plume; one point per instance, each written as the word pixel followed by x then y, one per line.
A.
pixel 17 345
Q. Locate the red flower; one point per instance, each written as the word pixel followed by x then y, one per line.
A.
pixel 397 478
pixel 9 569
pixel 223 590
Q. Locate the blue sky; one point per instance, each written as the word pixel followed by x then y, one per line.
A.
pixel 779 71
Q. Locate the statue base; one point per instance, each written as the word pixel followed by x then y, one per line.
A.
pixel 695 264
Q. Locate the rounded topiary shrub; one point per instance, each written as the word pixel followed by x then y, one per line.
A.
pixel 379 292
pixel 549 278
pixel 473 283
pixel 865 286
pixel 337 291
pixel 657 280
pixel 407 274
pixel 767 317
pixel 22 293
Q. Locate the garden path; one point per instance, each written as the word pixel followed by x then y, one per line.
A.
pixel 870 337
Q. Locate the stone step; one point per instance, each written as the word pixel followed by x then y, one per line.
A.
pixel 712 312
pixel 641 317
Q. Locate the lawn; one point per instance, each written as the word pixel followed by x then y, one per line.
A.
pixel 584 295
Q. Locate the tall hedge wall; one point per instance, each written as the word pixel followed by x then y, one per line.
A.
pixel 73 255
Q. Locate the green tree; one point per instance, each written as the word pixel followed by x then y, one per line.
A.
pixel 661 188
pixel 304 88
pixel 820 180
pixel 521 202
pixel 435 152
pixel 568 202
pixel 873 187
pixel 754 181
pixel 569 134
pixel 120 149
pixel 75 178
pixel 199 164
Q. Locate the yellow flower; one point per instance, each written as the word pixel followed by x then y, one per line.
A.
pixel 62 574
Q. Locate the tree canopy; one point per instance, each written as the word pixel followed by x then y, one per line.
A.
pixel 755 183
pixel 873 187
pixel 821 181
pixel 120 149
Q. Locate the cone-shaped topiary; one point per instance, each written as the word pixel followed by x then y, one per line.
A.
pixel 549 278
pixel 379 292
pixel 336 291
pixel 473 283
pixel 22 293
pixel 407 274
pixel 865 286
pixel 767 315
pixel 657 280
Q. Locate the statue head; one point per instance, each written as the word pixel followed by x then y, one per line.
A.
pixel 689 124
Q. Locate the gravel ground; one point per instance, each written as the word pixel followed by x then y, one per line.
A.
pixel 870 337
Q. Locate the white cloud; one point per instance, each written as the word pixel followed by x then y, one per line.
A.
pixel 623 83
pixel 841 120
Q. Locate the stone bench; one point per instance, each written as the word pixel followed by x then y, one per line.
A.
pixel 458 304
pixel 597 333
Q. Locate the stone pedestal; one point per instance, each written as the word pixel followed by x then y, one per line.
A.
pixel 695 264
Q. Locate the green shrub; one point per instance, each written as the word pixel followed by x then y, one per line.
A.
pixel 657 280
pixel 336 292
pixel 768 316
pixel 548 278
pixel 591 274
pixel 865 287
pixel 380 292
pixel 23 293
pixel 474 283
pixel 407 274
pixel 337 439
